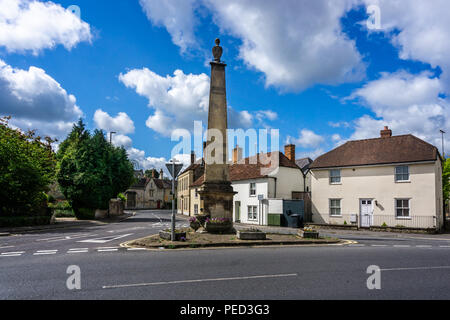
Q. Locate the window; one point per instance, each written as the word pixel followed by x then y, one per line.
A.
pixel 196 192
pixel 335 176
pixel 402 208
pixel 196 209
pixel 151 193
pixel 252 189
pixel 402 173
pixel 335 207
pixel 252 213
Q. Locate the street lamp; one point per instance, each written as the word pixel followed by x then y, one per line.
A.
pixel 110 136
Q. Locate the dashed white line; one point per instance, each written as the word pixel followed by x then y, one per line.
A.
pixel 136 249
pixel 12 254
pixel 402 246
pixel 424 246
pixel 45 253
pixel 107 250
pixel 444 246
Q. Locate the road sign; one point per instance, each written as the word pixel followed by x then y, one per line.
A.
pixel 261 197
pixel 177 167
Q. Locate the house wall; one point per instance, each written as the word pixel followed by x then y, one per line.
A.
pixel 288 180
pixel 378 183
pixel 195 201
pixel 183 195
pixel 243 195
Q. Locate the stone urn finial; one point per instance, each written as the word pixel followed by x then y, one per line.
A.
pixel 217 51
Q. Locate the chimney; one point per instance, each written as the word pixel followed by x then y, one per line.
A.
pixel 237 155
pixel 289 151
pixel 386 133
pixel 161 174
pixel 193 157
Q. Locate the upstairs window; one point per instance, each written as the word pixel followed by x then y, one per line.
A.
pixel 252 189
pixel 402 173
pixel 335 176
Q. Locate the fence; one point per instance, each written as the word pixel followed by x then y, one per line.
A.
pixel 415 221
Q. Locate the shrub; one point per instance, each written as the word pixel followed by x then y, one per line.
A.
pixel 27 168
pixel 122 197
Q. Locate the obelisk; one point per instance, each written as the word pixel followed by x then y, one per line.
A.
pixel 216 191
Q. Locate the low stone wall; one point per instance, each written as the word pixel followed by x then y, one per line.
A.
pixel 116 207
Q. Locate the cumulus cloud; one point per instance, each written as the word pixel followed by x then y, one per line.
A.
pixel 407 103
pixel 36 100
pixel 282 39
pixel 180 99
pixel 306 139
pixel 177 16
pixel 121 124
pixel 145 162
pixel 419 29
pixel 30 25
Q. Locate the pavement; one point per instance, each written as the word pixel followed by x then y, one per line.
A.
pixel 34 266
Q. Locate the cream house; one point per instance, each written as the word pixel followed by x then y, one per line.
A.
pixel 391 181
pixel 185 181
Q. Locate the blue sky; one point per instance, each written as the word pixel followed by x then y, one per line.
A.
pixel 311 69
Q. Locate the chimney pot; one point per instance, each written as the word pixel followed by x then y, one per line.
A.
pixel 192 157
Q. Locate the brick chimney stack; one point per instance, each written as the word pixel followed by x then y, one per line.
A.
pixel 289 151
pixel 237 155
pixel 386 133
pixel 161 174
pixel 193 157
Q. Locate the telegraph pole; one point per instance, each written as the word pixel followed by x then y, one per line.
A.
pixel 443 144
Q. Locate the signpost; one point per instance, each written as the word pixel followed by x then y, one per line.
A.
pixel 174 170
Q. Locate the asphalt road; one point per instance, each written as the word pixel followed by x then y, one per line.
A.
pixel 34 266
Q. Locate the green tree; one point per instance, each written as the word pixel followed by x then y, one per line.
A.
pixel 91 171
pixel 446 181
pixel 27 169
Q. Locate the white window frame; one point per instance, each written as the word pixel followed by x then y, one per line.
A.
pixel 251 189
pixel 196 209
pixel 335 207
pixel 252 213
pixel 335 176
pixel 402 174
pixel 408 217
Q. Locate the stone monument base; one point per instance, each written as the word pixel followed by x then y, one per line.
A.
pixel 217 199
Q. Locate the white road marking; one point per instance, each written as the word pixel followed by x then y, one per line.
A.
pixel 106 239
pixel 69 237
pixel 357 245
pixel 107 250
pixel 416 268
pixel 8 247
pixel 444 246
pixel 402 246
pixel 45 252
pixel 136 249
pixel 10 255
pixel 379 245
pixel 201 280
pixel 424 246
pixel 14 254
pixel 77 251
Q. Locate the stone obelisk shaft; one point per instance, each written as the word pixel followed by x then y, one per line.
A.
pixel 216 192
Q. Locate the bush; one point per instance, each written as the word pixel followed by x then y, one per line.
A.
pixel 27 168
pixel 122 197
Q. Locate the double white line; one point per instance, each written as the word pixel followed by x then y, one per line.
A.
pixel 12 254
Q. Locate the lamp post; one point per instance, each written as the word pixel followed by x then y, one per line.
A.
pixel 443 145
pixel 110 136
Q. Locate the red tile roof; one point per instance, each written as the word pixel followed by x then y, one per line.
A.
pixel 396 149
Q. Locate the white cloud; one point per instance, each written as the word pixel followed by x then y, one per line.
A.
pixel 146 162
pixel 307 139
pixel 29 25
pixel 177 16
pixel 180 99
pixel 423 30
pixel 282 39
pixel 407 104
pixel 121 124
pixel 120 140
pixel 36 101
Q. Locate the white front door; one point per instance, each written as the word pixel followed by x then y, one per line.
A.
pixel 366 206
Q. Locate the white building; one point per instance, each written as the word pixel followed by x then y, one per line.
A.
pixel 392 181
